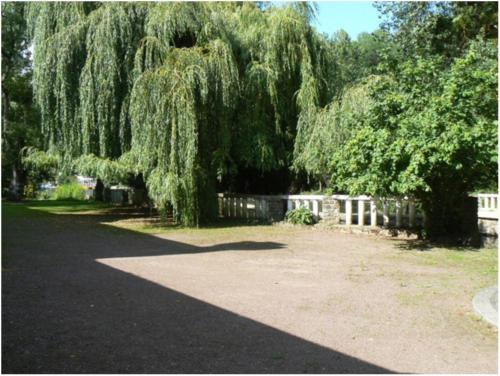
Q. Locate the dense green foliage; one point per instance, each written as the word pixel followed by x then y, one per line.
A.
pixel 40 166
pixel 190 97
pixel 300 216
pixel 20 122
pixel 156 89
pixel 68 191
pixel 428 126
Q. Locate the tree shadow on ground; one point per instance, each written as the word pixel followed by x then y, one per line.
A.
pixel 427 246
pixel 151 218
pixel 63 312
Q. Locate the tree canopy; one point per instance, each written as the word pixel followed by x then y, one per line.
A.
pixel 191 96
pixel 159 87
pixel 20 121
pixel 428 124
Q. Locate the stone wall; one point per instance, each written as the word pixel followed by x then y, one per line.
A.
pixel 331 210
pixel 488 227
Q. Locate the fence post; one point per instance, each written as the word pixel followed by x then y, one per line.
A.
pixel 373 213
pixel 249 212
pixel 297 204
pixel 240 207
pixel 386 213
pixel 411 214
pixel 315 208
pixel 245 211
pixel 398 213
pixel 261 208
pixel 361 212
pixel 289 205
pixel 306 204
pixel 348 212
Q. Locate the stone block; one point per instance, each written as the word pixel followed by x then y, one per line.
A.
pixel 331 210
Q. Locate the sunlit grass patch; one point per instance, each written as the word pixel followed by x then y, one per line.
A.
pixel 34 208
pixel 483 261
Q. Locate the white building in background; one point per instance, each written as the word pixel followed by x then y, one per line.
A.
pixel 86 181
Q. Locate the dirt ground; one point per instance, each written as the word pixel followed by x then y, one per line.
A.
pixel 80 294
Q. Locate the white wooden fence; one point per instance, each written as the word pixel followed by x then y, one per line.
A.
pixel 359 210
pixel 488 206
pixel 312 202
pixel 363 210
pixel 350 210
pixel 244 206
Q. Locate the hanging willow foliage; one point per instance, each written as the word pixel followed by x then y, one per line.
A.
pixel 283 76
pixel 323 131
pixel 179 116
pixel 182 93
pixel 106 79
pixel 58 32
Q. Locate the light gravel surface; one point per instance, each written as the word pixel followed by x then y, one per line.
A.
pixel 82 296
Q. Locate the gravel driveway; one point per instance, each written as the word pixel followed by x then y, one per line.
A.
pixel 81 296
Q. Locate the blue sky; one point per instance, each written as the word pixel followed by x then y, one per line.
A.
pixel 352 16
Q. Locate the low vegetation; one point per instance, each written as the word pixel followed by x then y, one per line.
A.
pixel 67 191
pixel 300 216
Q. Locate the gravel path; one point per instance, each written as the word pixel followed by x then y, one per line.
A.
pixel 82 297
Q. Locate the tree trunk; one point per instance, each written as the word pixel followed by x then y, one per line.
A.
pixel 16 189
pixel 451 218
pixel 99 190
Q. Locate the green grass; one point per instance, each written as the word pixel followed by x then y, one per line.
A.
pixel 145 225
pixel 483 261
pixel 214 230
pixel 34 208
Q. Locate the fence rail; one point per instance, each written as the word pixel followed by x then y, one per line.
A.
pixel 244 206
pixel 345 209
pixel 348 210
pixel 487 205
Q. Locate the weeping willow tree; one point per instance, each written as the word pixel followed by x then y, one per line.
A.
pixel 285 71
pixel 322 131
pixel 183 94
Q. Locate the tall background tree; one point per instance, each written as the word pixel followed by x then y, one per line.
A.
pixel 20 123
pixel 429 125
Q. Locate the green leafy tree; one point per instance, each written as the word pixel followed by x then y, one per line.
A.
pixel 432 134
pixel 183 94
pixel 445 28
pixel 20 123
pixel 428 126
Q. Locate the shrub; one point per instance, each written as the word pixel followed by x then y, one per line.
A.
pixel 29 191
pixel 69 191
pixel 47 194
pixel 300 216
